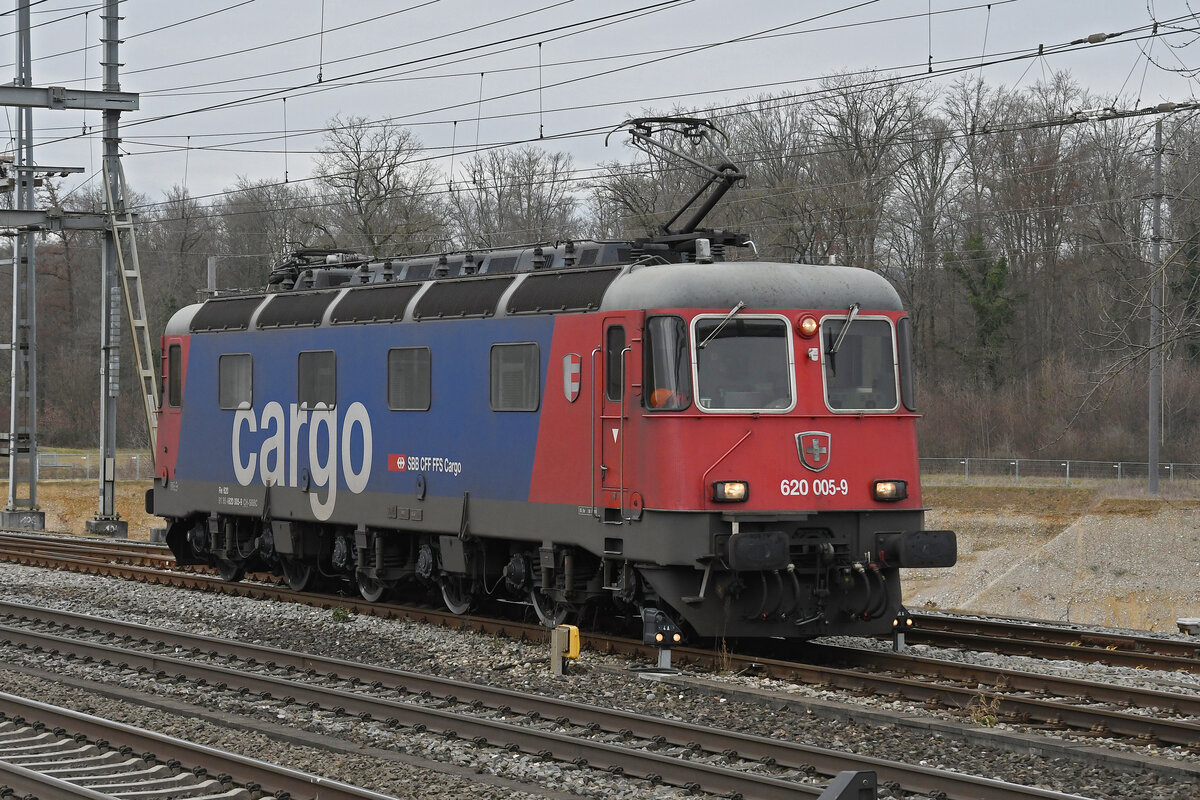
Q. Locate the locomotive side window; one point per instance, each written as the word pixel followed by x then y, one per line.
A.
pixel 516 377
pixel 744 363
pixel 860 369
pixel 614 368
pixel 235 381
pixel 904 342
pixel 317 379
pixel 174 375
pixel 668 377
pixel 408 378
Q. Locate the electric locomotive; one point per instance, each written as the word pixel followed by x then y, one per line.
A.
pixel 574 425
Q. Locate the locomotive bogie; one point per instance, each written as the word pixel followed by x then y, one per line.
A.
pixel 733 444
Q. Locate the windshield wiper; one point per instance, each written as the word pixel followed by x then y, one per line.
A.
pixel 845 327
pixel 722 324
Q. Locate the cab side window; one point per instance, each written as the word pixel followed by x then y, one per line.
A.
pixel 614 368
pixel 174 376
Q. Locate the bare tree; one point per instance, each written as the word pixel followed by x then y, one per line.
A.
pixel 919 229
pixel 513 196
pixel 862 123
pixel 783 209
pixel 379 194
pixel 261 221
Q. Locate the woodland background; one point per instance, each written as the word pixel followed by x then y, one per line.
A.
pixel 1015 228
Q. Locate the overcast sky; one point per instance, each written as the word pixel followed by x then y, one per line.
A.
pixel 213 74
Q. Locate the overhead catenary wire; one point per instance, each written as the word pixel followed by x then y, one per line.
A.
pixel 790 99
pixel 665 48
pixel 431 123
pixel 996 130
pixel 963 64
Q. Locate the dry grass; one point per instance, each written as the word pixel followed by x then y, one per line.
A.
pixel 1033 499
pixel 70 504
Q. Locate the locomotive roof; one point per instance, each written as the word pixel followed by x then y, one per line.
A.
pixel 758 284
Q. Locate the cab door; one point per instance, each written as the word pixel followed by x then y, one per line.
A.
pixel 612 422
pixel 174 368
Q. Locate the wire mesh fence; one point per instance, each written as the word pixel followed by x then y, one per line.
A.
pixel 86 466
pixel 1034 471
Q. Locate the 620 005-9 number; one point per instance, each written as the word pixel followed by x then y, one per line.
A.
pixel 824 487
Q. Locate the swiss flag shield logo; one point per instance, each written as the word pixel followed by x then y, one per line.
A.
pixel 814 449
pixel 572 368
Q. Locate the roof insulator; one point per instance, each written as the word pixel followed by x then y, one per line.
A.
pixel 539 260
pixel 442 270
pixel 569 254
pixel 469 266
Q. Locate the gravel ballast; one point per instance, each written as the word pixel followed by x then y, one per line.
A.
pixel 436 768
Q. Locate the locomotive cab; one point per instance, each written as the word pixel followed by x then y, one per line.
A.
pixel 791 431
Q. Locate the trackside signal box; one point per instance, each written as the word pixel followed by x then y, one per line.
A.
pixel 564 644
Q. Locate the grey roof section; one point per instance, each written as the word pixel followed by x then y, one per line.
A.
pixel 759 284
pixel 181 321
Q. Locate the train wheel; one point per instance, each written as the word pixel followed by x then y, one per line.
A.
pixel 549 613
pixel 299 576
pixel 370 588
pixel 456 595
pixel 230 571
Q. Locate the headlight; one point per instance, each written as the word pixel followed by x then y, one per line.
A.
pixel 807 326
pixel 731 491
pixel 889 490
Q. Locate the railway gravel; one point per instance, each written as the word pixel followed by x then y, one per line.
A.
pixel 436 768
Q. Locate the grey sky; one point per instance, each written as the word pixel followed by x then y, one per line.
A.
pixel 441 84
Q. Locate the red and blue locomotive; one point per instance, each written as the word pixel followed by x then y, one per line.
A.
pixel 590 424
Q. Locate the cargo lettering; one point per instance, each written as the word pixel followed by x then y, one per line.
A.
pixel 277 453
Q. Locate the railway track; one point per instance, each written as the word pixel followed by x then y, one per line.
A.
pixel 1037 639
pixel 675 752
pixel 1041 639
pixel 54 753
pixel 1034 700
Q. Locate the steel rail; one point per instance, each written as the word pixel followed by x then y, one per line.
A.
pixel 29 783
pixel 241 769
pixel 1041 638
pixel 1011 680
pixel 964 699
pixel 1045 712
pixel 563 747
pixel 750 748
pixel 1036 638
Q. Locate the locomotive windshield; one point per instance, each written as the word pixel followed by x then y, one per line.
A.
pixel 861 375
pixel 668 373
pixel 744 364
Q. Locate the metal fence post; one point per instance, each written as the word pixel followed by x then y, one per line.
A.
pixel 967 471
pixel 1017 472
pixel 1068 466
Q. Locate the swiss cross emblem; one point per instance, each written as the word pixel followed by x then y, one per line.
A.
pixel 572 364
pixel 813 447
